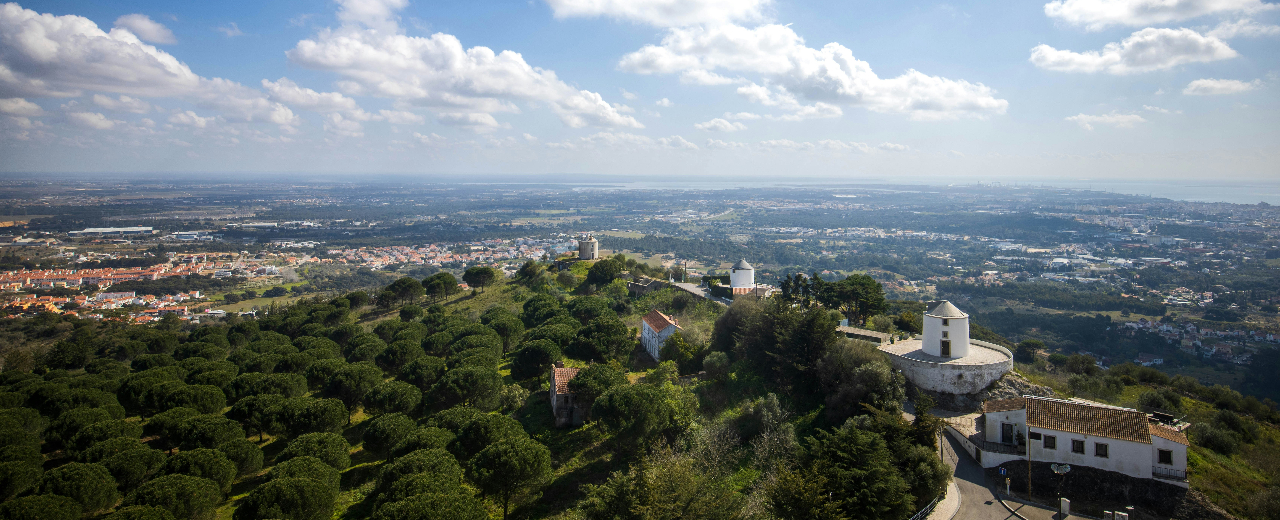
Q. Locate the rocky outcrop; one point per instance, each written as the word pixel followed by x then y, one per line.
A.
pixel 1010 385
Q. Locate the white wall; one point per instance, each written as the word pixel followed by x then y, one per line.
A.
pixel 991 430
pixel 955 379
pixel 1128 457
pixel 957 330
pixel 652 340
pixel 1179 456
pixel 742 278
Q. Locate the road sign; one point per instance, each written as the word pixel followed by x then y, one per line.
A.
pixel 1001 471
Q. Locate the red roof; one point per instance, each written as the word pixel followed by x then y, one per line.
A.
pixel 562 376
pixel 659 321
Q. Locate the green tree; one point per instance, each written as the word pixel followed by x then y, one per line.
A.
pixel 508 467
pixel 140 513
pixel 40 507
pixel 410 313
pixel 398 354
pixel 1028 350
pixel 534 359
pixel 308 467
pixel 386 431
pixel 101 431
pixel 663 485
pixel 603 339
pixel 434 461
pixel 603 272
pixel 802 495
pixel 245 454
pixel 510 329
pixel 258 414
pixel 288 498
pixel 432 506
pixel 854 375
pixel 302 415
pixel 350 383
pixel 16 477
pixel 208 431
pixel 639 414
pixel 91 485
pixel 406 289
pixel 480 276
pixel 485 430
pixel 593 382
pixel 425 438
pixel 441 285
pixel 473 386
pixel 685 355
pixel 204 463
pixel 423 372
pixel 393 397
pixel 328 447
pixel 860 475
pixel 182 495
pixel 202 398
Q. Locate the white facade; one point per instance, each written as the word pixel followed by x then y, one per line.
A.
pixel 742 275
pixel 946 331
pixel 1132 457
pixel 655 328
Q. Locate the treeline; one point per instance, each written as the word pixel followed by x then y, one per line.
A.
pixel 1056 296
pixel 178 284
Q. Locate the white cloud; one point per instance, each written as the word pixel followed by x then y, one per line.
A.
pixel 400 117
pixel 664 102
pixel 231 30
pixel 707 78
pixel 122 104
pixel 20 107
pixel 677 142
pixel 438 72
pixel 92 120
pixel 429 139
pixel 146 29
pixel 830 75
pixel 1216 87
pixel 62 56
pixel 1150 108
pixel 832 144
pixel 189 118
pixel 1144 51
pixel 1099 14
pixel 724 145
pixel 742 115
pixel 893 147
pixel 374 14
pixel 720 125
pixel 629 96
pixel 1245 28
pixel 785 144
pixel 664 13
pixel 478 122
pixel 1113 119
pixel 624 109
pixel 335 124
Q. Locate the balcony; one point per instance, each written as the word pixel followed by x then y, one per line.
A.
pixel 1168 473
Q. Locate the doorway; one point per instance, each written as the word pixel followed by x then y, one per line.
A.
pixel 1006 433
pixel 946 348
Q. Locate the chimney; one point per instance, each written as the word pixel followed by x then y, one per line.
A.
pixel 559 364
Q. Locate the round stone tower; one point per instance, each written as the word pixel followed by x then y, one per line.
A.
pixel 946 331
pixel 588 248
pixel 742 277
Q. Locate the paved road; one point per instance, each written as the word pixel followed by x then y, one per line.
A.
pixel 977 502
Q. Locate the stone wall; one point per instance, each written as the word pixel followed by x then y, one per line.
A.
pixel 1093 490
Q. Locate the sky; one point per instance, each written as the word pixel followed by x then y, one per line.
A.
pixel 1001 91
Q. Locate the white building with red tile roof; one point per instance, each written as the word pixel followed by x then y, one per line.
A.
pixel 655 328
pixel 1083 433
pixel 563 407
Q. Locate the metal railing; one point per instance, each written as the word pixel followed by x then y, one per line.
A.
pixel 1168 473
pixel 924 513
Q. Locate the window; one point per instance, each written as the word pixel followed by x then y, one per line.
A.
pixel 945 334
pixel 945 322
pixel 1050 442
pixel 1035 436
pixel 1099 450
pixel 1165 456
pixel 1077 446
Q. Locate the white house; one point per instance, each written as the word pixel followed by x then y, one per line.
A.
pixel 655 328
pixel 742 277
pixel 1082 433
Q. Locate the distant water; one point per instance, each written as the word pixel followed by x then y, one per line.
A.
pixel 1193 191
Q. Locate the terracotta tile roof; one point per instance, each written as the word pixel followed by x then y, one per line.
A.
pixel 1076 417
pixel 1003 405
pixel 562 377
pixel 659 321
pixel 1167 433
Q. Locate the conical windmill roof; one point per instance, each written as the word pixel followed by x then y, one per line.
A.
pixel 742 264
pixel 946 310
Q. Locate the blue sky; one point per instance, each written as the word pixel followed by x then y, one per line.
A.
pixel 858 91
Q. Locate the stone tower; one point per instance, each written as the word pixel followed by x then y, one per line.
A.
pixel 742 277
pixel 588 248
